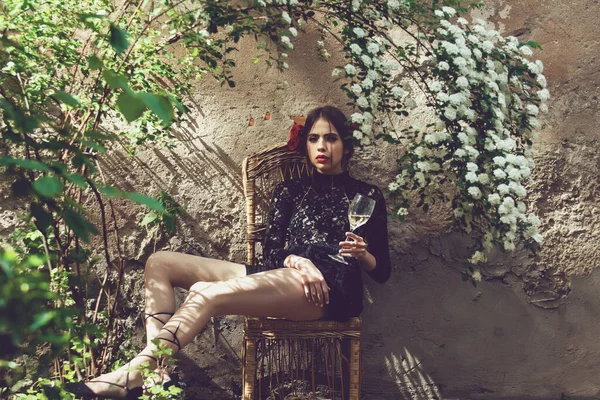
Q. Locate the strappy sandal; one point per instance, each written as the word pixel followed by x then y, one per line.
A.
pixel 82 390
pixel 175 340
pixel 154 316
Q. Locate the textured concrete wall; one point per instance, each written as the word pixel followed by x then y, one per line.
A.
pixel 529 331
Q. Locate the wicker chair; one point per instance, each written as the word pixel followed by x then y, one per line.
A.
pixel 286 351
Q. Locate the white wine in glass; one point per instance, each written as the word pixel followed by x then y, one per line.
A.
pixel 359 212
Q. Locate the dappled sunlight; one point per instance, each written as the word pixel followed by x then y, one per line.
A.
pixel 410 377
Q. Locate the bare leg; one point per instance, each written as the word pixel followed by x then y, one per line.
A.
pixel 276 293
pixel 165 270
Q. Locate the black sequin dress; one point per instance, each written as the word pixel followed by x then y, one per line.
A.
pixel 313 214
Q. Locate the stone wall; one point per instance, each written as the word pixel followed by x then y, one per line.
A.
pixel 529 331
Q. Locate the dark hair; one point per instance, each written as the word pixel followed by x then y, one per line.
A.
pixel 338 119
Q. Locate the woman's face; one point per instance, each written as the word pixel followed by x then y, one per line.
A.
pixel 325 148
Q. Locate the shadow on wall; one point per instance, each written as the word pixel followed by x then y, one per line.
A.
pixel 412 380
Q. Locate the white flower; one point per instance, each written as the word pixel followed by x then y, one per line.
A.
pixel 532 109
pixel 402 211
pixel 435 86
pixel 509 245
pixel 366 60
pixel 293 31
pixel 484 179
pixel 462 82
pixel 476 258
pixel 537 237
pixel 544 108
pixel 393 186
pixel 450 113
pixel 355 5
pixel 494 199
pixel 350 69
pixel 285 65
pixel 460 62
pixel 541 79
pixel 286 17
pixel 367 83
pixel 362 102
pixel 373 48
pixel 355 49
pixel 460 153
pixel 501 161
pixel 462 136
pixel 462 21
pixel 472 167
pixel 357 134
pixel 533 220
pixel 357 118
pixel 498 173
pixel 543 94
pixel 503 189
pixel 439 13
pixel 540 65
pixel 458 98
pixel 477 53
pixel 443 66
pixel 361 33
pixel 286 41
pixel 449 11
pixel 474 192
pixel 471 177
pixel 393 4
pixel 471 151
pixel 487 46
pixel 443 97
pixel 526 50
pixel 356 89
pixel 469 114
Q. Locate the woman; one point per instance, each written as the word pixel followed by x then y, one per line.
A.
pixel 298 281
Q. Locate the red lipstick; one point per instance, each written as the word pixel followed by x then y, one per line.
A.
pixel 321 158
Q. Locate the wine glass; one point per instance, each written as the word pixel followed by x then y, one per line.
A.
pixel 359 212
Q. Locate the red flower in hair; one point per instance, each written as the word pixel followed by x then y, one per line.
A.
pixel 353 127
pixel 296 139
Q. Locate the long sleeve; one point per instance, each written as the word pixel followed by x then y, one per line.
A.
pixel 377 239
pixel 280 212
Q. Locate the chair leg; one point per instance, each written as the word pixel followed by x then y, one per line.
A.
pixel 248 368
pixel 354 384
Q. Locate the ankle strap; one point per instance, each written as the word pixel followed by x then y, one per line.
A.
pixel 154 316
pixel 175 340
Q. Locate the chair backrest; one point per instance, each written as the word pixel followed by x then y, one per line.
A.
pixel 261 173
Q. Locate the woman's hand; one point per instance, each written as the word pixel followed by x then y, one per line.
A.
pixel 315 287
pixel 356 248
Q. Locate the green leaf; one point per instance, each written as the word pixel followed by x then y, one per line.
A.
pixel 41 319
pixel 81 226
pixel 159 105
pixel 149 218
pixel 77 179
pixel 42 218
pixel 94 63
pixel 110 191
pixel 148 201
pixel 5 161
pixel 131 106
pixel 48 186
pixel 66 98
pixel 114 80
pixel 95 146
pixel 118 39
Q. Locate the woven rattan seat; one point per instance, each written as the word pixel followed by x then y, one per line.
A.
pixel 279 353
